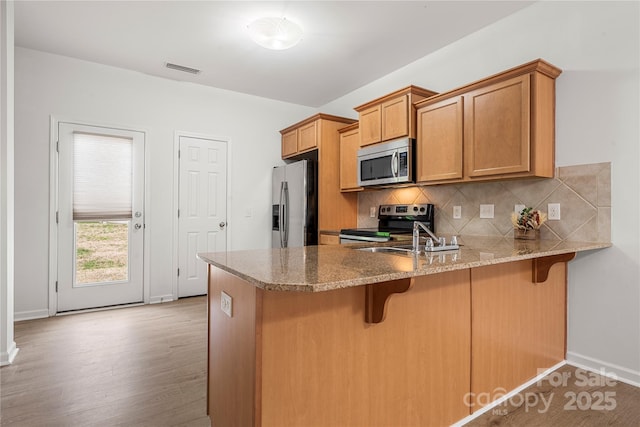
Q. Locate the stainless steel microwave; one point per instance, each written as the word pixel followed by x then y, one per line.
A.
pixel 386 163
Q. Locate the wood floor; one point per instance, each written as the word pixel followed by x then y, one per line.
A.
pixel 146 366
pixel 568 397
pixel 138 366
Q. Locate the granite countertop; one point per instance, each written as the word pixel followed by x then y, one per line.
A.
pixel 328 267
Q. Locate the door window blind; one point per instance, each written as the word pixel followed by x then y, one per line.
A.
pixel 102 177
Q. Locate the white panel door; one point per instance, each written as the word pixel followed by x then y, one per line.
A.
pixel 100 259
pixel 202 209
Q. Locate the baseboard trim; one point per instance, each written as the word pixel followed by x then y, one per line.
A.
pixel 30 315
pixel 7 358
pixel 507 396
pixel 621 373
pixel 160 299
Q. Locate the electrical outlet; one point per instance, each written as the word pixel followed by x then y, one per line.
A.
pixel 226 303
pixel 457 212
pixel 518 208
pixel 373 211
pixel 486 211
pixel 553 211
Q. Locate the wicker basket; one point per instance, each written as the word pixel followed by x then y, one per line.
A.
pixel 526 234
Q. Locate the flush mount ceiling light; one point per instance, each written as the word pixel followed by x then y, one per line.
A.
pixel 275 33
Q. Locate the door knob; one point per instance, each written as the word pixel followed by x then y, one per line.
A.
pixel 137 226
pixel 222 224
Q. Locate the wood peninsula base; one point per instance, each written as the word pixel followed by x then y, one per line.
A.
pixel 311 359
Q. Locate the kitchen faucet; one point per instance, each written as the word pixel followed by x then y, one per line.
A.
pixel 434 243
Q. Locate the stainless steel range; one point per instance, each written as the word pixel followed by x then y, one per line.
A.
pixel 392 220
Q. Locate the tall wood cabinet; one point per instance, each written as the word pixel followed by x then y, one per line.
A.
pixel 336 210
pixel 349 145
pixel 499 127
pixel 391 116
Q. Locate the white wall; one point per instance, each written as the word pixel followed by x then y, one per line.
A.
pixel 7 345
pixel 47 84
pixel 597 45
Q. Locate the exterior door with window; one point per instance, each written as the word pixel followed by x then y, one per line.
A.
pixel 100 216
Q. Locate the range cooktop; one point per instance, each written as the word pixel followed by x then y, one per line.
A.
pixel 394 219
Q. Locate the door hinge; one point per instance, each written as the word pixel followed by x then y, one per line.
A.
pixel 56 286
pixel 178 272
pixel 57 146
pixel 178 153
pixel 178 213
pixel 57 217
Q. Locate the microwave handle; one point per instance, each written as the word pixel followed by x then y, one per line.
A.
pixel 394 164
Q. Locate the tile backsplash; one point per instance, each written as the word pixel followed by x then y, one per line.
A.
pixel 583 191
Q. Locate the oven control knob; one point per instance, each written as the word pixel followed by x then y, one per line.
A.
pixel 415 209
pixel 422 209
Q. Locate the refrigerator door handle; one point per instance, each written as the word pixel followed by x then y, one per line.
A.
pixel 285 209
pixel 281 215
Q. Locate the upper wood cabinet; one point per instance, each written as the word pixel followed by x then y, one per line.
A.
pixel 306 135
pixel 391 116
pixel 499 127
pixel 290 143
pixel 349 145
pixel 440 128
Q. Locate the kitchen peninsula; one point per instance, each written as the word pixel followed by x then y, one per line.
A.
pixel 334 336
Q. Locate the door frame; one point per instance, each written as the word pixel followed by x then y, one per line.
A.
pixel 53 205
pixel 176 197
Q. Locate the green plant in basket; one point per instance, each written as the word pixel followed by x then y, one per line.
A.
pixel 528 219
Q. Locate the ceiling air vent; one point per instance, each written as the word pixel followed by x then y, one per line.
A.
pixel 182 68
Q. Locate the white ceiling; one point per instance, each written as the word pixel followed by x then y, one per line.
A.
pixel 346 44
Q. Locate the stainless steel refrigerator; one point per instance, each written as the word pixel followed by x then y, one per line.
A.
pixel 294 205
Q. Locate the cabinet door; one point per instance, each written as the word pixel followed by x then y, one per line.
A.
pixel 370 126
pixel 497 128
pixel 290 143
pixel 349 145
pixel 439 142
pixel 518 326
pixel 395 118
pixel 329 239
pixel 308 137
